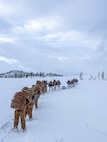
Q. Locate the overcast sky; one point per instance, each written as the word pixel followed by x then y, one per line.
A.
pixel 59 36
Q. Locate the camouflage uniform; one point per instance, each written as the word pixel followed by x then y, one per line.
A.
pixel 28 111
pixel 19 114
pixel 29 106
pixel 35 95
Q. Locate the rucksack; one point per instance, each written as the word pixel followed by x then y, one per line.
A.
pixel 63 87
pixel 19 101
pixel 35 96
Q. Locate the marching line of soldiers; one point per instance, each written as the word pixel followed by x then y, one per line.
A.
pixel 25 100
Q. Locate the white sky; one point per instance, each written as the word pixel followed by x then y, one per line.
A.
pixel 61 36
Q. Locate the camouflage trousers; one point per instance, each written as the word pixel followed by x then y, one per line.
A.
pixel 36 102
pixel 19 115
pixel 28 111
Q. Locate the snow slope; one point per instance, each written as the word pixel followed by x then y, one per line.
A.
pixel 78 114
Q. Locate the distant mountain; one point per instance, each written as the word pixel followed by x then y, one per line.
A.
pixel 13 73
pixel 20 74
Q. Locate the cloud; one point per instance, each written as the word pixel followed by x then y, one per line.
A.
pixel 62 58
pixel 7 38
pixel 24 68
pixel 5 8
pixel 9 61
pixel 35 26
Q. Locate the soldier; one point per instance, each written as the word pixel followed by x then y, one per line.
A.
pixel 29 106
pixel 35 95
pixel 19 102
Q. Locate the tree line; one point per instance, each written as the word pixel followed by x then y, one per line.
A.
pixel 21 74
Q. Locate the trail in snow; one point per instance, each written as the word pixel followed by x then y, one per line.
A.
pixel 6 129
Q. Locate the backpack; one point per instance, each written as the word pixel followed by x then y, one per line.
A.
pixel 19 101
pixel 35 96
pixel 63 87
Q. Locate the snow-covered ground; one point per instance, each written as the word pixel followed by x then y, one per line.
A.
pixel 78 114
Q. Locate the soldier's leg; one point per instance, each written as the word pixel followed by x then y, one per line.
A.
pixel 26 111
pixel 36 102
pixel 30 112
pixel 22 116
pixel 16 119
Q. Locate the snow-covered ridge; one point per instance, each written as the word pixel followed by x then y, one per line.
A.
pixel 20 74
